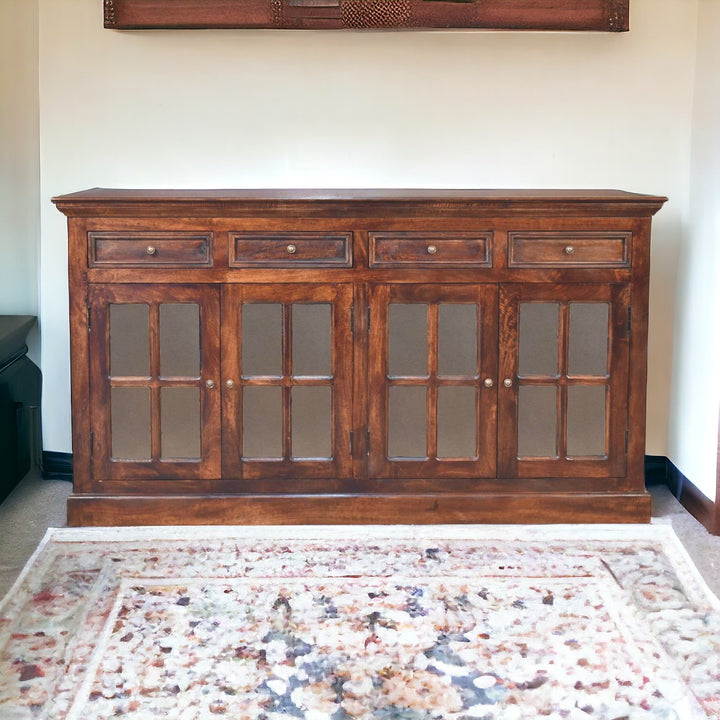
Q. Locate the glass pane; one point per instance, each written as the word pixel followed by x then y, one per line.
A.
pixel 129 340
pixel 457 422
pixel 180 423
pixel 586 420
pixel 408 340
pixel 261 339
pixel 311 340
pixel 407 423
pixel 588 338
pixel 262 422
pixel 539 328
pixel 180 340
pixel 130 423
pixel 537 421
pixel 311 424
pixel 457 340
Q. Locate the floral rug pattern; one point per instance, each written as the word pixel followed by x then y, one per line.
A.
pixel 375 623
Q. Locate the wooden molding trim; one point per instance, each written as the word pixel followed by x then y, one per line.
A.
pixel 598 15
pixel 700 507
pixel 695 502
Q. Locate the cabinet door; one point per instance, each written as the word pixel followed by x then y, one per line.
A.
pixel 154 365
pixel 432 371
pixel 287 360
pixel 563 380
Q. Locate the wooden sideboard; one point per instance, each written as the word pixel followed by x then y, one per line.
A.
pixel 358 356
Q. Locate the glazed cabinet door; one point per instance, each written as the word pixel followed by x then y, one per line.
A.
pixel 563 390
pixel 154 376
pixel 432 380
pixel 287 363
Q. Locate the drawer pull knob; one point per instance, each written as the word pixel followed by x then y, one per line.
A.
pixel 569 249
pixel 291 249
pixel 488 382
pixel 229 383
pixel 210 384
pixel 432 249
pixel 151 250
pixel 507 382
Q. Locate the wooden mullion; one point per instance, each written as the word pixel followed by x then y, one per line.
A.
pixel 267 381
pixel 129 382
pixel 287 381
pixel 562 395
pixel 155 409
pixel 587 380
pixel 432 383
pixel 312 382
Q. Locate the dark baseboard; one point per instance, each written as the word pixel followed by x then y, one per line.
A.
pixel 659 470
pixel 656 470
pixel 57 466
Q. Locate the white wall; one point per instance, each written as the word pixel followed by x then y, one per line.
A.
pixel 696 390
pixel 443 109
pixel 19 159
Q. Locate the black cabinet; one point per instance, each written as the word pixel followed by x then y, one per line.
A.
pixel 20 389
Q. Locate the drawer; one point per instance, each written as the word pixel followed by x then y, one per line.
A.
pixel 569 249
pixel 176 249
pixel 292 249
pixel 441 249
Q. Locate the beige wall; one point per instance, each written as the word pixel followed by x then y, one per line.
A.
pixel 19 158
pixel 696 386
pixel 444 109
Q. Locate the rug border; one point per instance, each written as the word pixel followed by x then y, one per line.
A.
pixel 15 587
pixel 661 531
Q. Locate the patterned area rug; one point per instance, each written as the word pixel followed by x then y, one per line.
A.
pixel 381 623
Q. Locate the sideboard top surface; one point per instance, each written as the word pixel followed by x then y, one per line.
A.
pixel 208 202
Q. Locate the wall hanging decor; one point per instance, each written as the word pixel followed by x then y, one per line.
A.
pixel 598 15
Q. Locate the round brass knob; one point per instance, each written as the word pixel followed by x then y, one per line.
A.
pixel 569 249
pixel 210 384
pixel 229 383
pixel 150 249
pixel 291 249
pixel 432 249
pixel 488 382
pixel 507 382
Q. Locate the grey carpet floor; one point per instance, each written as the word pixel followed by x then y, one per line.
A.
pixel 38 504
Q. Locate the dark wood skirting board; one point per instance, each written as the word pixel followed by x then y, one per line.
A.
pixel 598 15
pixel 700 507
pixel 659 470
pixel 516 508
pixel 695 502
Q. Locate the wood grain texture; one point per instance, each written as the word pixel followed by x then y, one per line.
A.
pixel 430 249
pixel 138 249
pixel 361 251
pixel 602 15
pixel 359 509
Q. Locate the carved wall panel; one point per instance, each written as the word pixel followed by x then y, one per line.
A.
pixel 598 15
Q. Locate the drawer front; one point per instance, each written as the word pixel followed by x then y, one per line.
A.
pixel 288 250
pixel 132 249
pixel 569 249
pixel 441 249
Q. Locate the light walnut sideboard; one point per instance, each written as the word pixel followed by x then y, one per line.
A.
pixel 358 356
